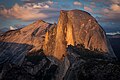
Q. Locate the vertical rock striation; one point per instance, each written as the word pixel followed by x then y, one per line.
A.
pixel 79 27
pixel 49 44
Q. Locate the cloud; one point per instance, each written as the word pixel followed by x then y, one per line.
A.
pixel 109 16
pixel 29 11
pixel 113 33
pixel 33 1
pixel 110 13
pixel 92 5
pixel 76 3
pixel 115 7
pixel 41 5
pixel 23 13
pixel 50 2
pixel 26 0
pixel 115 1
pixel 88 9
pixel 36 6
pixel 12 28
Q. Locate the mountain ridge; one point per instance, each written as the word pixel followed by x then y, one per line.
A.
pixel 74 27
pixel 75 48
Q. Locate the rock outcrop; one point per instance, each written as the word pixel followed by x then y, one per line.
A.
pixel 78 27
pixel 15 44
pixel 74 27
pixel 75 48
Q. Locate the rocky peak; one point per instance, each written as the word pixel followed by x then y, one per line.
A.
pixel 74 27
pixel 17 43
pixel 75 48
pixel 79 27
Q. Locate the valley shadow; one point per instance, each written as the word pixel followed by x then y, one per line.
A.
pixel 13 52
pixel 80 51
pixel 35 65
pixel 116 46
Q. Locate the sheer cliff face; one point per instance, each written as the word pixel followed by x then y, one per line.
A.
pixel 74 27
pixel 79 27
pixel 51 51
pixel 50 37
pixel 87 31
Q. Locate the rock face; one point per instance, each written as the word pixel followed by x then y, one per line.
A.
pixel 74 27
pixel 75 48
pixel 75 66
pixel 50 37
pixel 15 44
pixel 32 34
pixel 78 27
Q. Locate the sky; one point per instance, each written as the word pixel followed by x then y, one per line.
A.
pixel 24 12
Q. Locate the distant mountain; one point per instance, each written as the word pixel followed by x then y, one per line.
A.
pixel 4 29
pixel 16 27
pixel 113 35
pixel 115 40
pixel 75 48
pixel 12 28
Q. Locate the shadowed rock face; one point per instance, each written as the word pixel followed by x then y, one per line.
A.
pixel 16 44
pixel 75 66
